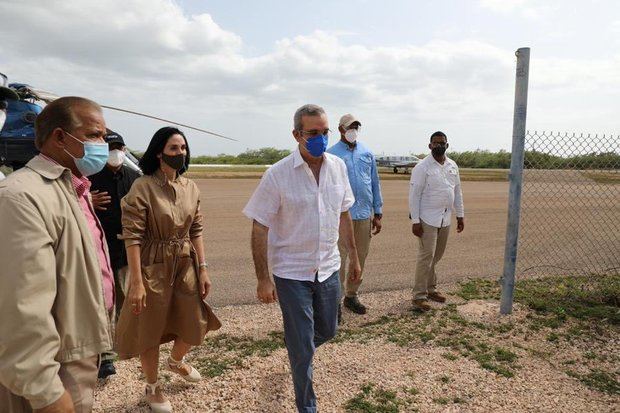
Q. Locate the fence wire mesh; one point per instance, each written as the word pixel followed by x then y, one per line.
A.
pixel 570 208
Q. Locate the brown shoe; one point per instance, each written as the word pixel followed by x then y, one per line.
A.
pixel 421 305
pixel 437 297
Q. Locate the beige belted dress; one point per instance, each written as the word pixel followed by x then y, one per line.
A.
pixel 162 217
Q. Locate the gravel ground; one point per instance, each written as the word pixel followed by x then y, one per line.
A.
pixel 421 376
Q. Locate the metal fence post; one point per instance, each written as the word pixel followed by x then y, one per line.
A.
pixel 516 179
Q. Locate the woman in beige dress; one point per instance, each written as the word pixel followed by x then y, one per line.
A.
pixel 162 229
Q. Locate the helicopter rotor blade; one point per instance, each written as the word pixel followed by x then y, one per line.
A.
pixel 169 121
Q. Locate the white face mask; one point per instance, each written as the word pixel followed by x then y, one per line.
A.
pixel 351 135
pixel 2 118
pixel 116 158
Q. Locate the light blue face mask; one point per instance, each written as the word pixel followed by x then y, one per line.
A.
pixel 94 159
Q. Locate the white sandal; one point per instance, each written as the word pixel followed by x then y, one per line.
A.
pixel 164 407
pixel 193 376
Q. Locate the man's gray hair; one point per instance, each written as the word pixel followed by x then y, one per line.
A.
pixel 59 114
pixel 306 110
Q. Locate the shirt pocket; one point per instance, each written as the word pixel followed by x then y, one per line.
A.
pixel 452 176
pixel 187 279
pixel 365 167
pixel 154 277
pixel 335 197
pixel 434 179
pixel 330 219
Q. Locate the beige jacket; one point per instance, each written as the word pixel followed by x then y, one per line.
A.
pixel 51 293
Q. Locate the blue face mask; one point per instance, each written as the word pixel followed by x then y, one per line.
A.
pixel 317 145
pixel 94 159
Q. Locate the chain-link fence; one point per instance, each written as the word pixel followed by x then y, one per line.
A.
pixel 570 207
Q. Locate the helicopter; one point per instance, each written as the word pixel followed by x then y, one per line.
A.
pixel 20 104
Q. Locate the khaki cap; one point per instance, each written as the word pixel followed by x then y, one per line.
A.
pixel 347 120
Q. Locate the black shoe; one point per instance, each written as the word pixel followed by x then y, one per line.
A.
pixel 353 304
pixel 106 369
pixel 339 314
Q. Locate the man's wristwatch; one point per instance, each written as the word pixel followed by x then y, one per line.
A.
pixel 203 265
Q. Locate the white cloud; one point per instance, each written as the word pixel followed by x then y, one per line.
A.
pixel 148 55
pixel 530 9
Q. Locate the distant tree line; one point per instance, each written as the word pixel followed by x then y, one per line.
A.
pixel 534 159
pixel 262 156
pixel 469 159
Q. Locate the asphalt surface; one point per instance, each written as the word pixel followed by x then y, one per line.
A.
pixel 477 252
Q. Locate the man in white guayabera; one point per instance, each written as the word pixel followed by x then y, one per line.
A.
pixel 434 192
pixel 299 210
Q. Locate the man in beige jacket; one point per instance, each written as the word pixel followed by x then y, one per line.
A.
pixel 53 289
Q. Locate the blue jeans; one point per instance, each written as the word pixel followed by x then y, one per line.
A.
pixel 310 315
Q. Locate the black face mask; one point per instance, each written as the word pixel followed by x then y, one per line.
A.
pixel 176 162
pixel 439 150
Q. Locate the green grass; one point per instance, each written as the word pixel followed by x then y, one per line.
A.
pixel 213 366
pixel 373 399
pixel 592 298
pixel 502 354
pixel 221 353
pixel 449 356
pixel 603 177
pixel 441 400
pixel 479 289
pixel 246 346
pixel 599 380
pixel 595 297
pixel 411 391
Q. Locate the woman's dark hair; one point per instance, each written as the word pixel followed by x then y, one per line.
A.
pixel 149 163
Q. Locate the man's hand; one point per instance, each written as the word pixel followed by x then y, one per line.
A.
pixel 460 224
pixel 205 282
pixel 355 269
pixel 376 225
pixel 100 200
pixel 62 405
pixel 417 230
pixel 266 291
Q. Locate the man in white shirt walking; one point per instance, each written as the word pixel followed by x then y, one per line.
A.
pixel 299 210
pixel 435 191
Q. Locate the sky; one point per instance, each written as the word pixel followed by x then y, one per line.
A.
pixel 405 68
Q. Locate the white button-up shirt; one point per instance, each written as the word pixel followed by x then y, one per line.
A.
pixel 303 217
pixel 435 190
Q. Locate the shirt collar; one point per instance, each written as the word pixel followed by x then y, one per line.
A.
pixel 161 178
pixel 346 145
pixel 81 185
pixel 47 167
pixel 51 169
pixel 297 159
pixel 445 162
pixel 119 172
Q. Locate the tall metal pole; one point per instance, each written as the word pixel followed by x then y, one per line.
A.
pixel 516 179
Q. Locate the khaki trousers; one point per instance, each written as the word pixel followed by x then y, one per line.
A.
pixel 79 378
pixel 361 233
pixel 432 245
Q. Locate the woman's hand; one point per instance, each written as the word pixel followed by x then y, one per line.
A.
pixel 205 282
pixel 137 297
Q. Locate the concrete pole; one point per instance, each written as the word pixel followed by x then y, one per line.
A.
pixel 516 179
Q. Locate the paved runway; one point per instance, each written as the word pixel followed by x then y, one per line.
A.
pixel 478 251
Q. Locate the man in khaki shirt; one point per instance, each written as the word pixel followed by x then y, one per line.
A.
pixel 54 318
